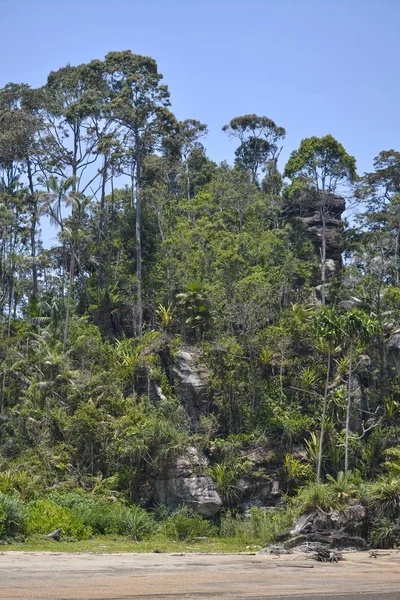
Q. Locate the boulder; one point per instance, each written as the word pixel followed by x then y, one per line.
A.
pixel 344 529
pixel 183 482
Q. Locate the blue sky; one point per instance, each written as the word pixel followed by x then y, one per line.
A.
pixel 313 66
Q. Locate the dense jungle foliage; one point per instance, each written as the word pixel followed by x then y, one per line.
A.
pixel 158 247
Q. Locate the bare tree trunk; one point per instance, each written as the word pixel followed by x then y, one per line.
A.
pixel 323 253
pixel 139 307
pixel 346 450
pixel 34 220
pixel 69 296
pixel 101 226
pixel 187 179
pixel 321 437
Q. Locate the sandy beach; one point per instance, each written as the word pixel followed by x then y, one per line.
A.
pixel 56 576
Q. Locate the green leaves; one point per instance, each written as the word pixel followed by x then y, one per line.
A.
pixel 320 164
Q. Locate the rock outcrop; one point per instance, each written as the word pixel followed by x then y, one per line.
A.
pixel 394 352
pixel 191 382
pixel 312 208
pixel 345 529
pixel 183 482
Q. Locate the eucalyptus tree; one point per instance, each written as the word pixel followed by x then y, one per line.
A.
pixel 139 104
pixel 72 110
pixel 19 127
pixel 259 141
pixel 322 167
pixel 380 189
pixel 189 133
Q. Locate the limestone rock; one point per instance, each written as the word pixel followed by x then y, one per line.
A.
pixel 183 483
pixel 308 206
pixel 345 529
pixel 394 351
pixel 191 379
pixel 259 492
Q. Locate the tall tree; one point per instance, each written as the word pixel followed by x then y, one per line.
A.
pixel 19 127
pixel 322 166
pixel 72 109
pixel 327 327
pixel 358 328
pixel 139 104
pixel 259 141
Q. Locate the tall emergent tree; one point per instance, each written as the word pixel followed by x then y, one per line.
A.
pixel 321 166
pixel 138 102
pixel 259 141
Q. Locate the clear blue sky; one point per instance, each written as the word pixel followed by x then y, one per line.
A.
pixel 313 66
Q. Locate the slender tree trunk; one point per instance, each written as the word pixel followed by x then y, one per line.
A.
pixel 139 306
pixel 101 226
pixel 321 437
pixel 34 220
pixel 323 255
pixel 10 304
pixel 187 179
pixel 69 296
pixel 346 450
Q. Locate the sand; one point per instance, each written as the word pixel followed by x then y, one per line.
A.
pixel 59 576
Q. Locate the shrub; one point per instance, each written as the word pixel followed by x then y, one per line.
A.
pixel 384 498
pixel 262 526
pixel 313 496
pixel 12 516
pixel 225 480
pixel 384 534
pixel 184 524
pixel 131 521
pixel 105 517
pixel 44 516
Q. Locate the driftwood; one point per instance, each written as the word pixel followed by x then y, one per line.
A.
pixel 55 535
pixel 326 555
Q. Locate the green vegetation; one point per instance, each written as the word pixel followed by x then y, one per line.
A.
pixel 290 313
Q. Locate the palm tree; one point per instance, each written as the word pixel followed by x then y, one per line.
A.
pixel 327 329
pixel 358 327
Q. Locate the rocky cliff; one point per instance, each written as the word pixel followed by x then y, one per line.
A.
pixel 312 208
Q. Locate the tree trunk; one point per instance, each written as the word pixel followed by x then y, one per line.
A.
pixel 139 307
pixel 321 437
pixel 101 226
pixel 323 255
pixel 34 220
pixel 346 450
pixel 69 296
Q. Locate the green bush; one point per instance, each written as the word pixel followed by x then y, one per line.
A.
pixel 225 480
pixel 261 526
pixel 44 516
pixel 384 498
pixel 105 517
pixel 384 534
pixel 316 495
pixel 184 524
pixel 12 516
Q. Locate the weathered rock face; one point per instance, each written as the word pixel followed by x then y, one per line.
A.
pixel 260 487
pixel 184 483
pixel 335 529
pixel 394 351
pixel 191 381
pixel 312 209
pixel 259 492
